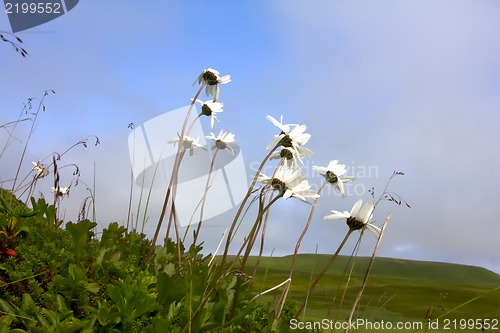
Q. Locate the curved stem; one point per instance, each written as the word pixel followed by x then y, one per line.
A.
pixel 192 124
pixel 242 204
pixel 205 197
pixel 30 133
pixel 251 241
pixel 306 227
pixel 365 279
pixel 313 285
pixel 262 238
pixel 297 246
pixel 256 227
pixel 174 173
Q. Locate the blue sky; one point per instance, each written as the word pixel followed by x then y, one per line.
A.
pixel 409 86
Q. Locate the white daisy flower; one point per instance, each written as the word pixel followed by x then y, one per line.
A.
pixel 60 191
pixel 358 218
pixel 40 169
pixel 210 77
pixel 225 140
pixel 210 109
pixel 188 143
pixel 301 191
pixel 291 156
pixel 289 183
pixel 292 136
pixel 332 173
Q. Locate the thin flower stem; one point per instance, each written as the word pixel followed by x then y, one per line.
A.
pixel 158 226
pixel 306 227
pixel 30 133
pixel 216 250
pixel 205 197
pixel 251 241
pixel 173 216
pixel 248 239
pixel 192 124
pixel 264 227
pixel 347 274
pixel 173 182
pixel 27 187
pixel 172 210
pixel 297 246
pixel 287 281
pixel 253 233
pixel 252 236
pixel 219 273
pixel 148 199
pixel 262 238
pixel 365 279
pixel 169 190
pixel 242 204
pixel 11 137
pixel 131 191
pixel 93 195
pixel 315 282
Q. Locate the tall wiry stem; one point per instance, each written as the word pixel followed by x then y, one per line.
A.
pixel 297 246
pixel 242 204
pixel 173 179
pixel 328 265
pixel 202 208
pixel 365 279
pixel 41 106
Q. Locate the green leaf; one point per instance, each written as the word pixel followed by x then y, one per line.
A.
pixel 92 287
pixel 6 307
pixel 5 322
pixel 169 269
pixel 81 233
pixel 51 316
pixel 170 289
pixel 27 303
pixel 76 273
pixel 61 304
pixel 28 214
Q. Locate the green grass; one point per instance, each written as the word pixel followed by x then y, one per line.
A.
pixel 397 290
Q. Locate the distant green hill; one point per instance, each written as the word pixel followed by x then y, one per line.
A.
pixel 390 267
pixel 397 290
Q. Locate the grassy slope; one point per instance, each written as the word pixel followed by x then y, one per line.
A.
pixel 398 290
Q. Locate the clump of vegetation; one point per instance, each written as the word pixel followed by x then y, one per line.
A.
pixel 67 280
